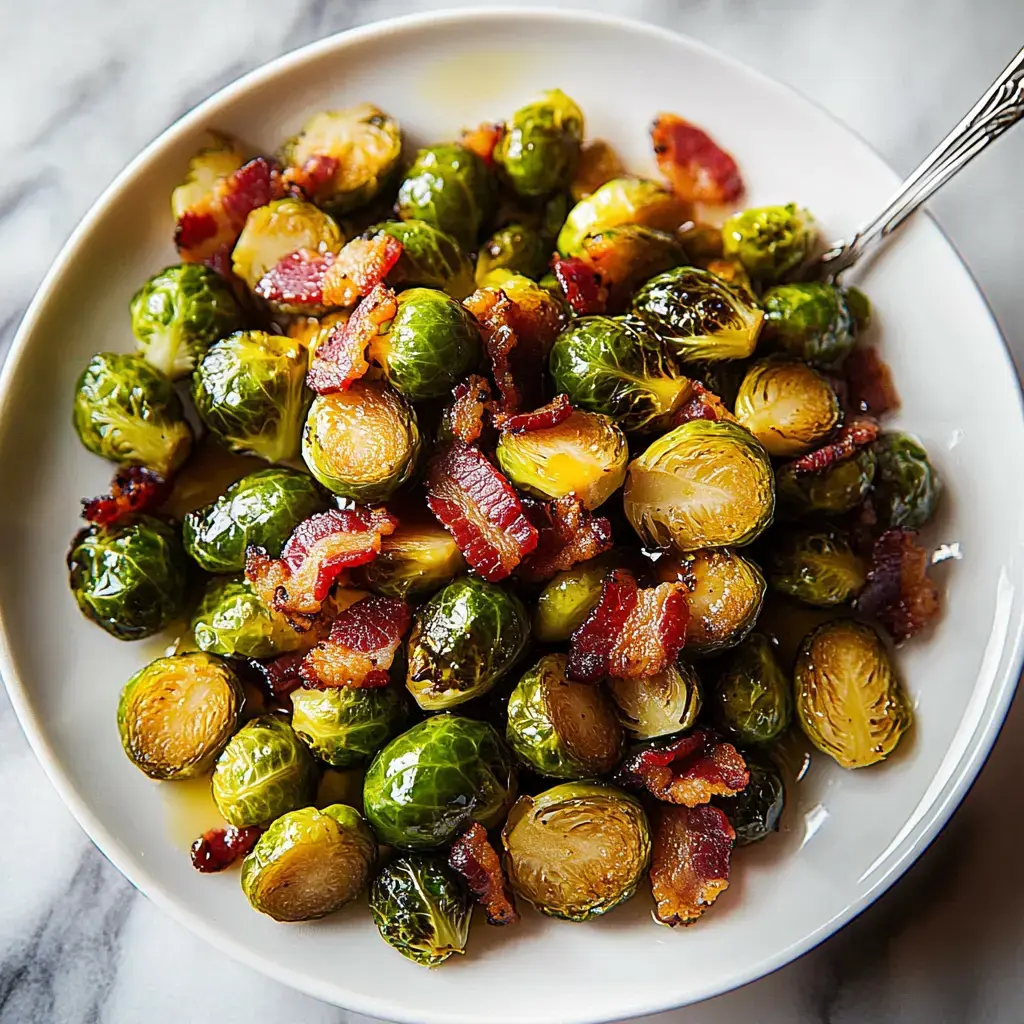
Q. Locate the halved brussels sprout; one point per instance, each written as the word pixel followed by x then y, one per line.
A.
pixel 430 258
pixel 838 489
pixel 363 145
pixel 128 412
pixel 362 443
pixel 309 863
pixel 755 813
pixel 417 559
pixel 598 163
pixel 705 484
pixel 179 313
pixel 567 599
pixel 463 640
pixel 849 701
pixel 262 508
pixel 906 486
pixel 561 728
pixel 659 705
pixel 620 201
pixel 250 391
pixel 345 726
pixel 626 256
pixel 769 240
pixel 421 909
pixel 816 566
pixel 176 714
pixel 810 321
pixel 129 578
pixel 451 188
pixel 585 455
pixel 698 316
pixel 430 782
pixel 517 248
pixel 752 699
pixel 616 366
pixel 205 169
pixel 789 407
pixel 577 850
pixel 264 771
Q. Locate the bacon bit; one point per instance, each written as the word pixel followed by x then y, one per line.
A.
pixel 870 388
pixel 567 534
pixel 581 284
pixel 134 490
pixel 697 168
pixel 590 646
pixel 280 675
pixel 688 771
pixel 473 857
pixel 852 437
pixel 219 848
pixel 465 417
pixel 340 358
pixel 558 410
pixel 478 507
pixel 704 405
pixel 899 592
pixel 483 140
pixel 193 228
pixel 319 550
pixel 307 181
pixel 690 861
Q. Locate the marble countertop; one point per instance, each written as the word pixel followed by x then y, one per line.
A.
pixel 84 85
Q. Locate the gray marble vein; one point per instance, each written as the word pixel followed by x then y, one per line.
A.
pixel 85 84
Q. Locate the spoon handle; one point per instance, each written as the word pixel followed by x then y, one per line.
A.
pixel 1001 107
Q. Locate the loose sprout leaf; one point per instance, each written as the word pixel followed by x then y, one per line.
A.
pixel 689 770
pixel 704 405
pixel 581 284
pixel 280 675
pixel 690 862
pixel 558 410
pixel 482 140
pixel 479 508
pixel 852 437
pixel 219 848
pixel 473 857
pixel 466 415
pixel 134 490
pixel 899 592
pixel 869 385
pixel 567 534
pixel 698 169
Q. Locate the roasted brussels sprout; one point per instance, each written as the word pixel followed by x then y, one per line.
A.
pixel 250 391
pixel 345 726
pixel 451 188
pixel 752 699
pixel 430 258
pixel 176 714
pixel 362 443
pixel 754 814
pixel 540 147
pixel 770 240
pixel 428 783
pixel 838 489
pixel 567 599
pixel 417 559
pixel 309 863
pixel 849 701
pixel 816 566
pixel 810 321
pixel 129 578
pixel 615 366
pixel 463 641
pixel 584 455
pixel 577 850
pixel 626 256
pixel 620 201
pixel 789 407
pixel 179 313
pixel 659 705
pixel 704 484
pixel 264 771
pixel 698 316
pixel 906 485
pixel 262 508
pixel 517 248
pixel 422 909
pixel 360 147
pixel 561 728
pixel 129 412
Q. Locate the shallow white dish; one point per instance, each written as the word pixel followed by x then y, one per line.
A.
pixel 847 836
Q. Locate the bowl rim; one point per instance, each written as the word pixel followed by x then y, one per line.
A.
pixel 939 813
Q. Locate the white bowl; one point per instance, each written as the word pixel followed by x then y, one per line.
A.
pixel 847 835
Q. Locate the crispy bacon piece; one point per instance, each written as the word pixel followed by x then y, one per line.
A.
pixel 478 507
pixel 567 534
pixel 558 410
pixel 473 857
pixel 690 861
pixel 869 385
pixel 689 770
pixel 483 139
pixel 466 416
pixel 853 436
pixel 280 675
pixel 319 550
pixel 219 848
pixel 704 405
pixel 899 592
pixel 307 181
pixel 340 358
pixel 591 644
pixel 697 168
pixel 581 284
pixel 134 490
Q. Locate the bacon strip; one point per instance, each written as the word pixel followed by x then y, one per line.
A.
pixel 852 437
pixel 558 410
pixel 478 507
pixel 581 284
pixel 280 675
pixel 899 592
pixel 567 534
pixel 134 490
pixel 704 405
pixel 465 417
pixel 690 861
pixel 697 168
pixel 482 140
pixel 869 386
pixel 473 857
pixel 219 848
pixel 590 646
pixel 688 771
pixel 307 181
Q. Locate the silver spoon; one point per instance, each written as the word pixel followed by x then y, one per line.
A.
pixel 1000 108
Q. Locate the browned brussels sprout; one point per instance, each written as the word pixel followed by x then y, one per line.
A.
pixel 816 566
pixel 752 699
